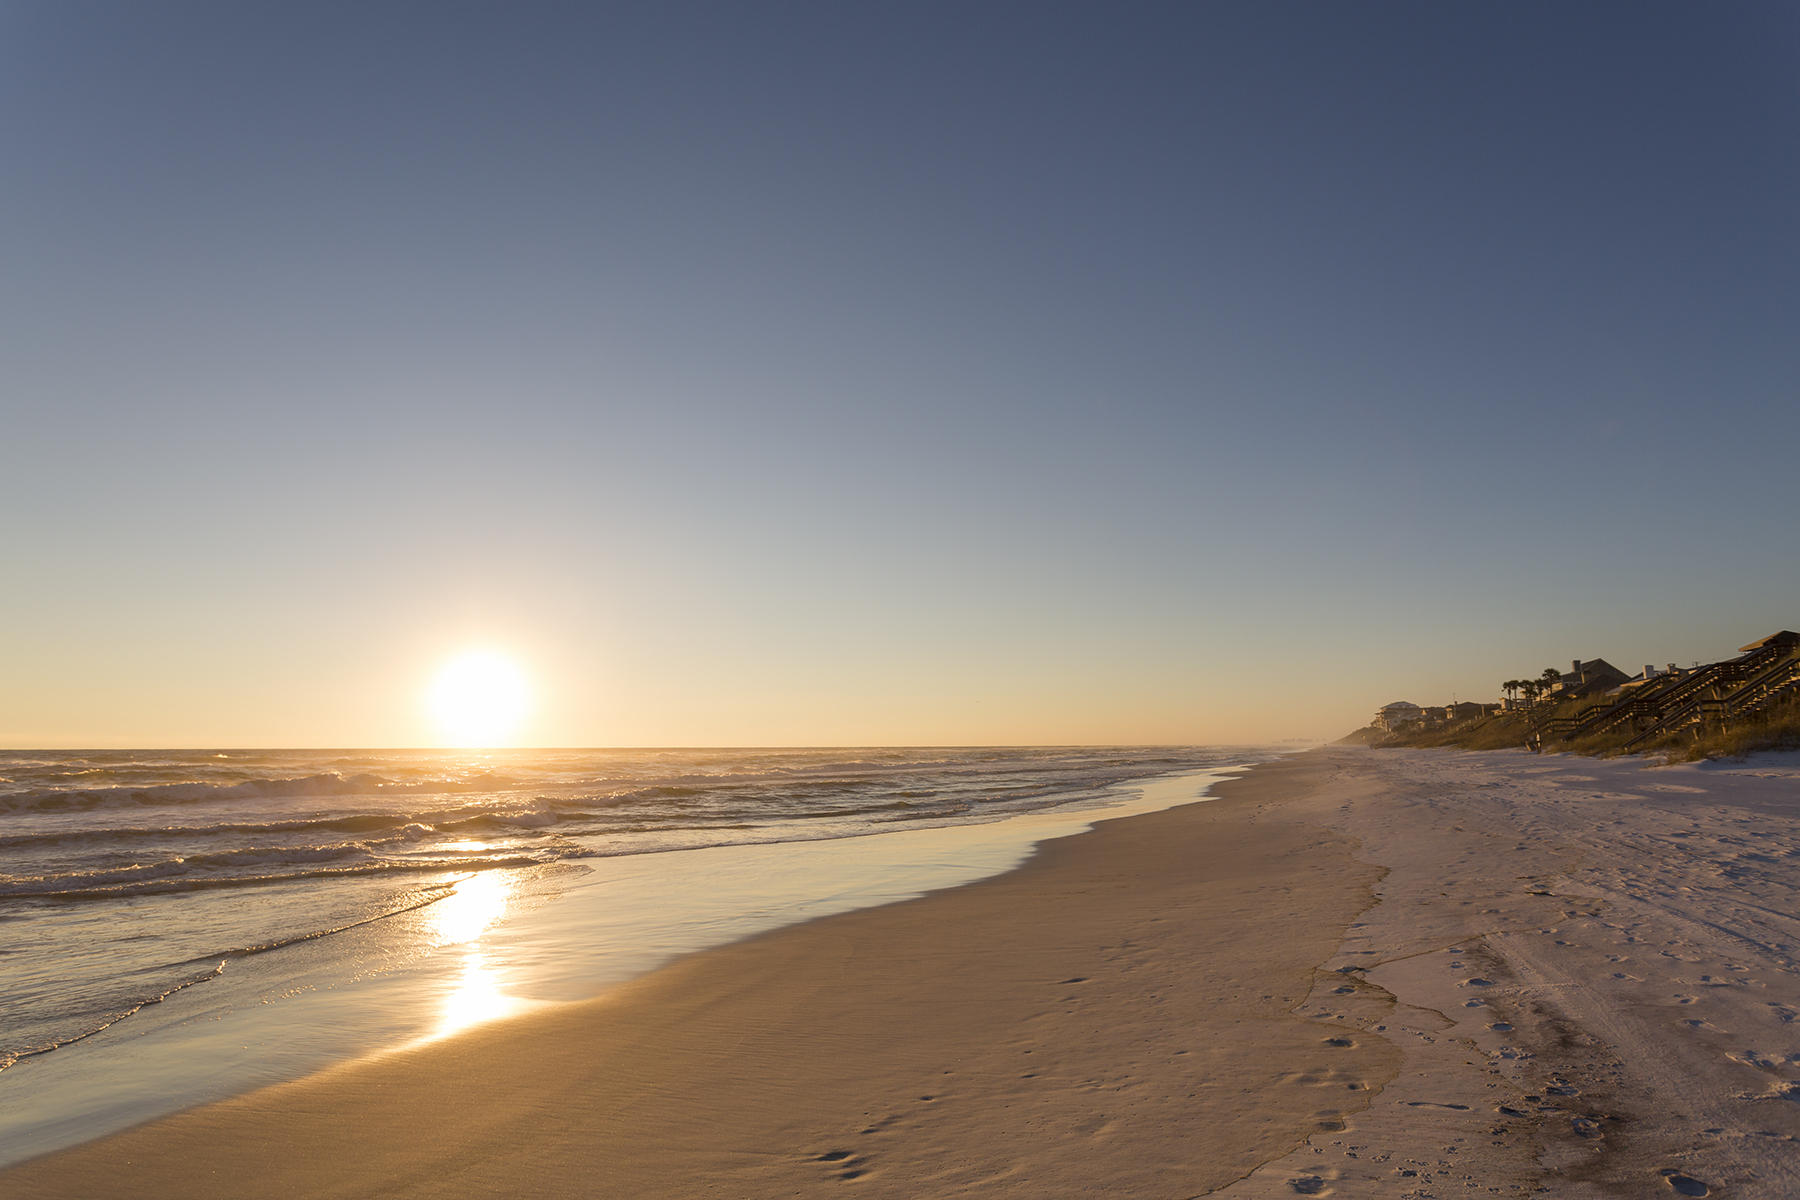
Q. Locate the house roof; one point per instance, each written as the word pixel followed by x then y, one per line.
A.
pixel 1397 704
pixel 1592 667
pixel 1785 637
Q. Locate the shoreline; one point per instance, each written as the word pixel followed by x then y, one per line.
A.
pixel 1033 1027
pixel 505 947
pixel 1406 973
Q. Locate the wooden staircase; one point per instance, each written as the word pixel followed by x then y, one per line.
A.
pixel 1768 673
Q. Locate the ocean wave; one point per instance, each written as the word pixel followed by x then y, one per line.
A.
pixel 425 897
pixel 175 825
pixel 212 966
pixel 9 1057
pixel 411 825
pixel 534 818
pixel 185 864
pixel 327 785
pixel 178 875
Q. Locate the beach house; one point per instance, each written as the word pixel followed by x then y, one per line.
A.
pixel 1594 677
pixel 1401 712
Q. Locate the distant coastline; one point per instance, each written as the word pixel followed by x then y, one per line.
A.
pixel 1728 708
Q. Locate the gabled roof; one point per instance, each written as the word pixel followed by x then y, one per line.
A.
pixel 1591 668
pixel 1786 637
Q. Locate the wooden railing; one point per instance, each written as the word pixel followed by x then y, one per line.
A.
pixel 1656 709
pixel 1775 682
pixel 1644 701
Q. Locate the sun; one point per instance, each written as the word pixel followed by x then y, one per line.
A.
pixel 479 699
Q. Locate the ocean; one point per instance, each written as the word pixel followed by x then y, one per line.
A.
pixel 181 926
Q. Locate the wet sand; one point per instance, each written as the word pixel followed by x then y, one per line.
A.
pixel 1116 1016
pixel 1364 973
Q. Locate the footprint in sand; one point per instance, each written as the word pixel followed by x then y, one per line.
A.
pixel 1685 1185
pixel 852 1166
pixel 1309 1185
pixel 1753 1058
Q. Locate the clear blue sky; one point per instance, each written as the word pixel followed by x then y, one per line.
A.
pixel 825 372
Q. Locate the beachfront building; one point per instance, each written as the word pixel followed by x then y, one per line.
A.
pixel 1401 712
pixel 1594 677
pixel 1786 637
pixel 1651 674
pixel 1468 710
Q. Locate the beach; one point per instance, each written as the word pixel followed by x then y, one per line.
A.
pixel 1368 973
pixel 185 927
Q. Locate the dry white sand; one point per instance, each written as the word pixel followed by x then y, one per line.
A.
pixel 1369 973
pixel 1590 967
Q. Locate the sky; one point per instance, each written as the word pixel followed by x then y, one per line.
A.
pixel 823 374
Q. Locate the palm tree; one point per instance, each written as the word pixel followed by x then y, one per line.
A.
pixel 1551 677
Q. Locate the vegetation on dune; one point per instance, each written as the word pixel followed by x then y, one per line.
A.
pixel 1506 731
pixel 1728 708
pixel 1776 729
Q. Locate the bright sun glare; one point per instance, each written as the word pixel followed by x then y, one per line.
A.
pixel 480 698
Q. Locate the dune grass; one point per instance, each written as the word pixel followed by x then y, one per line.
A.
pixel 1503 732
pixel 1776 729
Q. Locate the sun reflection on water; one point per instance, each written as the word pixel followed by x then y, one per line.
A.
pixel 466 913
pixel 478 994
pixel 477 997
